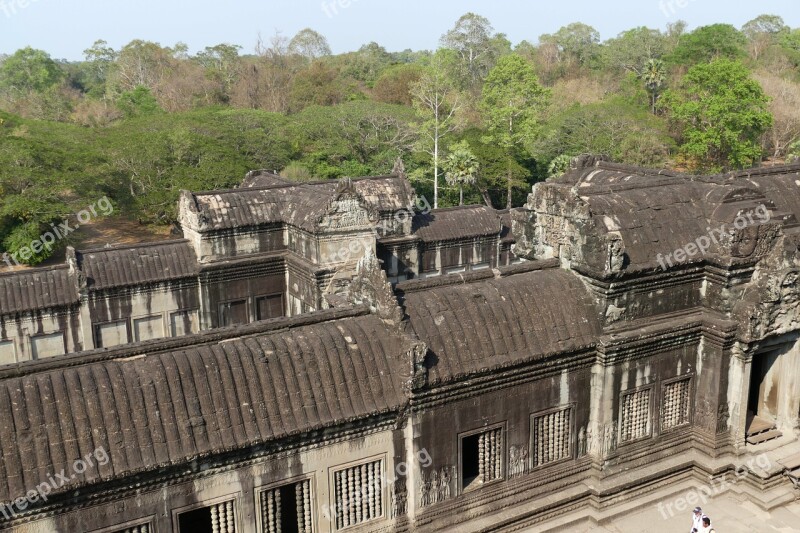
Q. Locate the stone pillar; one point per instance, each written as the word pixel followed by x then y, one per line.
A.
pixel 738 393
pixel 602 409
pixel 414 474
pixel 788 393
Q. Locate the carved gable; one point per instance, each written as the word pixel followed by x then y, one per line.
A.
pixel 347 210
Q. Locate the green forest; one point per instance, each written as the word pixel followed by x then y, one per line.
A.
pixel 478 120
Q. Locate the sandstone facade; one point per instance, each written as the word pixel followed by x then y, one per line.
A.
pixel 462 368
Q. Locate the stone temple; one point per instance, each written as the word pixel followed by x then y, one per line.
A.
pixel 335 356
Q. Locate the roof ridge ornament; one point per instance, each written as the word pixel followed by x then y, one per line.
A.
pixel 347 209
pixel 345 186
pixel 371 286
pixel 584 161
pixel 399 168
pixel 75 271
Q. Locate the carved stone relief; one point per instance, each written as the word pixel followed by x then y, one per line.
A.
pixel 777 309
pixel 609 438
pixel 722 418
pixel 704 415
pixel 371 286
pixel 517 461
pixel 435 487
pixel 615 261
pixel 399 498
pixel 585 441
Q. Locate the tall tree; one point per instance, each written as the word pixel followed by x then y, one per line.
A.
pixel 29 70
pixel 762 32
pixel 708 43
pixel 461 168
pixel 632 50
pixel 309 44
pixel 654 76
pixel 223 65
pixel 436 101
pixel 477 46
pixel 785 108
pixel 142 64
pixel 722 113
pixel 100 60
pixel 512 104
pixel 576 45
pixel 266 81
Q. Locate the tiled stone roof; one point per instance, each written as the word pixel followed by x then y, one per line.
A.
pixel 41 288
pixel 657 212
pixel 139 264
pixel 457 223
pixel 266 199
pixel 167 408
pixel 478 326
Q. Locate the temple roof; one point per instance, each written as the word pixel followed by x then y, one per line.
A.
pixel 298 205
pixel 658 212
pixel 41 288
pixel 653 221
pixel 383 193
pixel 457 223
pixel 268 199
pixel 497 322
pixel 118 266
pixel 166 408
pixel 139 264
pixel 782 189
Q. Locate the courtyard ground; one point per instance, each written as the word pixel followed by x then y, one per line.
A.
pixel 727 512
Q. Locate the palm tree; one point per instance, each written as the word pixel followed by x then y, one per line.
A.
pixel 461 168
pixel 654 76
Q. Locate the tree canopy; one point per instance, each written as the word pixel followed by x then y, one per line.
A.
pixel 29 70
pixel 513 102
pixel 309 44
pixel 722 113
pixel 141 121
pixel 708 43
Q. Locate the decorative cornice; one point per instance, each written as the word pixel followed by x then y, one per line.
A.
pixel 498 378
pixel 157 346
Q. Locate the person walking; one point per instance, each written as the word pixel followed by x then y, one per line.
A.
pixel 706 528
pixel 697 520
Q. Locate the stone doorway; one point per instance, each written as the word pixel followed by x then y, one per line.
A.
pixel 762 400
pixel 772 404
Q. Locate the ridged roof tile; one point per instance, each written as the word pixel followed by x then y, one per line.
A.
pixel 474 327
pixel 168 408
pixel 457 223
pixel 41 288
pixel 138 264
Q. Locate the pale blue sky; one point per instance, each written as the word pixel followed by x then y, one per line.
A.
pixel 65 28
